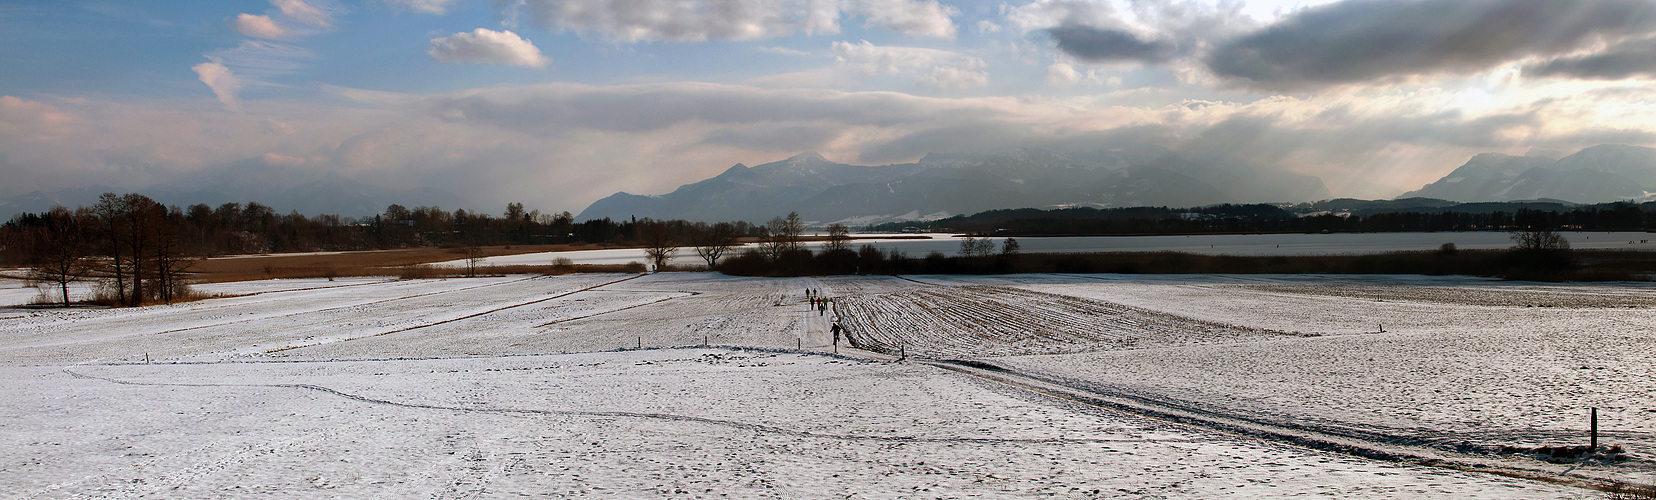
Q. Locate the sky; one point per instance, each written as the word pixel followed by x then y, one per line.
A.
pixel 556 103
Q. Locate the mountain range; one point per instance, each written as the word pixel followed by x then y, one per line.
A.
pixel 283 190
pixel 944 184
pixel 1603 173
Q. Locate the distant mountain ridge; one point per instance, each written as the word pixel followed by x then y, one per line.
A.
pixel 945 184
pixel 1603 173
pixel 281 189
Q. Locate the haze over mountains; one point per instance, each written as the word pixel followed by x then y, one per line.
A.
pixel 936 186
pixel 282 189
pixel 943 184
pixel 1597 174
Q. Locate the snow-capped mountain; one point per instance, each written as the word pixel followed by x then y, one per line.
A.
pixel 942 184
pixel 1597 174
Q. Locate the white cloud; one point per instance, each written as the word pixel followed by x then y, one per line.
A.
pixel 932 67
pixel 225 84
pixel 784 51
pixel 259 26
pixel 259 59
pixel 700 20
pixel 32 120
pixel 438 7
pixel 302 12
pixel 1065 75
pixel 910 17
pixel 986 27
pixel 1044 14
pixel 956 77
pixel 488 47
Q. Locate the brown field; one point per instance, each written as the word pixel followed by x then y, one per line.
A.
pixel 369 263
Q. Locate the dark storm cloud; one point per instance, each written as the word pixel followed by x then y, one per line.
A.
pixel 1360 40
pixel 1106 45
pixel 1618 62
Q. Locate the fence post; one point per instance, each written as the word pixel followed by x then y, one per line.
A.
pixel 1595 429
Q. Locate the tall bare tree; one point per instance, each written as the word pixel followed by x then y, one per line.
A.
pixel 839 238
pixel 659 243
pixel 781 235
pixel 110 212
pixel 713 241
pixel 63 246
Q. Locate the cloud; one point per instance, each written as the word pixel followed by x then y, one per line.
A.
pixel 302 12
pixel 784 51
pixel 1107 45
pixel 769 137
pixel 438 7
pixel 932 67
pixel 1065 75
pixel 1045 14
pixel 1363 40
pixel 924 18
pixel 631 21
pixel 32 120
pixel 488 47
pixel 261 59
pixel 1624 60
pixel 558 108
pixel 259 26
pixel 225 84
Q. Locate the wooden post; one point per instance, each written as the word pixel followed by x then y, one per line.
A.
pixel 799 344
pixel 902 353
pixel 641 342
pixel 1595 429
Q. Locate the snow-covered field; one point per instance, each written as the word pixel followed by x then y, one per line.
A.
pixel 514 385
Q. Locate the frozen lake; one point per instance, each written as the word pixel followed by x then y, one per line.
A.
pixel 1213 244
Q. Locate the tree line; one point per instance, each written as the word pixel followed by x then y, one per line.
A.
pixel 1264 218
pixel 140 251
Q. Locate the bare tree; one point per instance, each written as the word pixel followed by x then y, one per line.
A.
pixel 110 211
pixel 972 248
pixel 1541 240
pixel 474 257
pixel 839 238
pixel 781 235
pixel 713 241
pixel 793 228
pixel 659 243
pixel 63 248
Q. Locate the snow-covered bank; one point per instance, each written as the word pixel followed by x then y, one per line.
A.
pixel 467 387
pixel 693 422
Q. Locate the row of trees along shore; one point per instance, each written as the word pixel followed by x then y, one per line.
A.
pixel 1265 218
pixel 140 251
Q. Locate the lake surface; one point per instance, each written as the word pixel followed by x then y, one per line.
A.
pixel 1218 244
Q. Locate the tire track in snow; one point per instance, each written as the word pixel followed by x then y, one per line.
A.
pixel 439 292
pixel 653 302
pixel 462 318
pixel 734 424
pixel 1365 445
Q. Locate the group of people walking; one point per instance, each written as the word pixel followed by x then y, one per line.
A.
pixel 821 303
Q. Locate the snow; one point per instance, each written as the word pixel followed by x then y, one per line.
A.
pixel 1484 362
pixel 519 385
